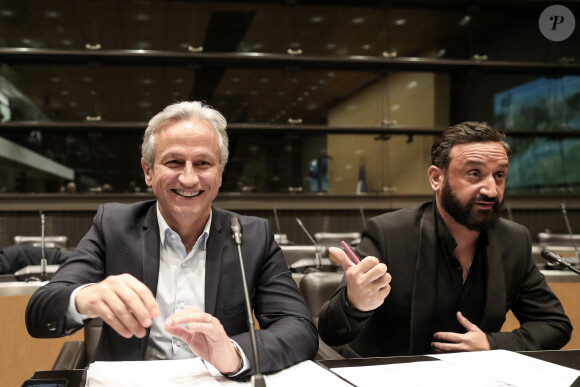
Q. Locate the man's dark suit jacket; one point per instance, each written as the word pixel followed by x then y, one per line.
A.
pixel 406 242
pixel 125 239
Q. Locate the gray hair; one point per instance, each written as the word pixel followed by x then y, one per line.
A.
pixel 183 111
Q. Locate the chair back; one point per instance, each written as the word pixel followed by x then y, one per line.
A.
pixel 59 241
pixel 317 288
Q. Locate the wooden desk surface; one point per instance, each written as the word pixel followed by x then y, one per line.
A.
pixel 22 355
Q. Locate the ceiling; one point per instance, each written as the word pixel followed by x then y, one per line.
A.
pixel 89 85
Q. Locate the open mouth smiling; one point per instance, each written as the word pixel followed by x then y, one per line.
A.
pixel 187 194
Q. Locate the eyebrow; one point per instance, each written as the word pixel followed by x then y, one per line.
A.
pixel 469 163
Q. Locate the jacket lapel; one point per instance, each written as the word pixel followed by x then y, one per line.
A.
pixel 424 295
pixel 495 295
pixel 150 247
pixel 214 259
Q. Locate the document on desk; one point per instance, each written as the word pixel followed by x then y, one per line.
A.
pixel 421 373
pixel 194 372
pixel 513 368
pixel 470 369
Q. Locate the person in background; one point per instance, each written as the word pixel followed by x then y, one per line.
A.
pixel 442 276
pixel 164 275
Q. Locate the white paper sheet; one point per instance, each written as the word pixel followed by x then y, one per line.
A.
pixel 194 372
pixel 470 369
pixel 513 368
pixel 423 373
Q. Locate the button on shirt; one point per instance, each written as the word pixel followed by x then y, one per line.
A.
pixel 181 285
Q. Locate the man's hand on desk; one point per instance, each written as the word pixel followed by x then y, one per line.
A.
pixel 368 283
pixel 122 301
pixel 472 340
pixel 206 337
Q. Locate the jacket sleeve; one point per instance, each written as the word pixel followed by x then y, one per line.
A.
pixel 543 323
pixel 339 324
pixel 46 310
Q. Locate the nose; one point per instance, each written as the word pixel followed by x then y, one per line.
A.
pixel 489 187
pixel 188 176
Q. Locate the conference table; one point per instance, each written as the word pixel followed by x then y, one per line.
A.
pixel 568 358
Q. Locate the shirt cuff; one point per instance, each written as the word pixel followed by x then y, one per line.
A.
pixel 73 317
pixel 245 361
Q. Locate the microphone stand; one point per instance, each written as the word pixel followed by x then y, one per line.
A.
pixel 551 256
pixel 317 254
pixel 43 262
pixel 258 379
pixel 563 206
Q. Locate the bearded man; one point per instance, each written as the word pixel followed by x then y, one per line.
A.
pixel 442 276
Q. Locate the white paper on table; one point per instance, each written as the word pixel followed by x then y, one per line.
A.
pixel 304 374
pixel 152 373
pixel 421 373
pixel 194 372
pixel 513 368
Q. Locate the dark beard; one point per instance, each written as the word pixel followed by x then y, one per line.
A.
pixel 479 221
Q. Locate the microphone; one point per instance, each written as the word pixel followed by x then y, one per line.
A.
pixel 236 228
pixel 42 272
pixel 317 254
pixel 563 206
pixel 551 256
pixel 43 262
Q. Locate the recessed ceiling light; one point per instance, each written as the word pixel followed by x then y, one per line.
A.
pixel 330 46
pixel 178 80
pixel 395 107
pixel 316 19
pixel 52 14
pixel 7 13
pixel 64 92
pixel 366 46
pixel 465 20
pixel 55 79
pixel 400 22
pixel 264 80
pixel 142 17
pixel 87 79
pixel 412 85
pixel 358 20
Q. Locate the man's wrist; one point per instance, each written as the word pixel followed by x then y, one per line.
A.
pixel 240 364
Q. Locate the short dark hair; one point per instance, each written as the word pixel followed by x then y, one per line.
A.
pixel 464 133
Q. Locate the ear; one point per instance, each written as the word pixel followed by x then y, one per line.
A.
pixel 147 172
pixel 436 176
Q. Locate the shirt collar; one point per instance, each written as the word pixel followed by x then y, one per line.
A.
pixel 163 227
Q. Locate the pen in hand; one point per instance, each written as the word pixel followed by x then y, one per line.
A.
pixel 350 253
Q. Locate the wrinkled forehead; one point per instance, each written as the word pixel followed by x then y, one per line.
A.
pixel 492 153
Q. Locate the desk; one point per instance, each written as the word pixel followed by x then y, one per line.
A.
pixel 25 354
pixel 569 359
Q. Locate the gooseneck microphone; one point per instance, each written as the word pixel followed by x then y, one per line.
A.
pixel 317 253
pixel 563 207
pixel 551 256
pixel 236 228
pixel 43 262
